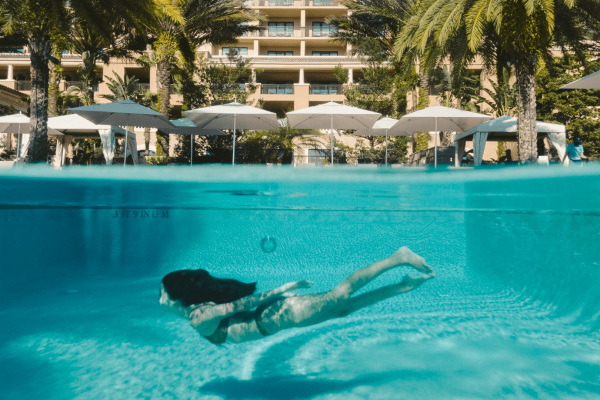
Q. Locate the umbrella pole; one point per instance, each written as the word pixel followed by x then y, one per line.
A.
pixel 125 149
pixel 386 143
pixel 234 123
pixel 332 140
pixel 192 150
pixel 18 144
pixel 436 135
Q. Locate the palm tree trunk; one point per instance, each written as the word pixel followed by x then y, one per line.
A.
pixel 423 91
pixel 163 75
pixel 41 50
pixel 527 114
pixel 54 84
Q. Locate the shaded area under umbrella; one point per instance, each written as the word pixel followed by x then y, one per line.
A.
pixel 124 113
pixel 236 115
pixel 383 127
pixel 20 124
pixel 332 115
pixel 185 126
pixel 438 118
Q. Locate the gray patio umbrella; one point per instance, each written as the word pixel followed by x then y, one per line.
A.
pixel 332 115
pixel 591 81
pixel 438 118
pixel 236 115
pixel 20 124
pixel 123 113
pixel 185 126
pixel 385 126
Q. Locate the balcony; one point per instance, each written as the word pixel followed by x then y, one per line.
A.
pixel 78 84
pixel 325 89
pixel 285 88
pixel 24 86
pixel 292 3
pixel 278 32
pixel 323 32
pixel 142 86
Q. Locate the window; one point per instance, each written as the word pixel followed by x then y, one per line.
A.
pixel 281 28
pixel 238 51
pixel 322 29
pixel 325 53
pixel 280 53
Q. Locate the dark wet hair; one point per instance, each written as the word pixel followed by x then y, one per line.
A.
pixel 577 140
pixel 198 286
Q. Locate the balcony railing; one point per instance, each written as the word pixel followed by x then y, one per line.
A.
pixel 278 32
pixel 323 32
pixel 325 89
pixel 79 84
pixel 274 3
pixel 142 86
pixel 277 89
pixel 24 85
pixel 292 3
pixel 322 3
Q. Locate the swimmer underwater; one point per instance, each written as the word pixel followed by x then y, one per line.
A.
pixel 227 310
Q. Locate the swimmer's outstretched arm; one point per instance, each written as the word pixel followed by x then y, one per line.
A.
pixel 206 318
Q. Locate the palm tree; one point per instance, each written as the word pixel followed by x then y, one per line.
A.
pixel 43 24
pixel 509 32
pixel 122 89
pixel 175 41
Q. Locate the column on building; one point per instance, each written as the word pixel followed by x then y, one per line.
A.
pixel 350 75
pixel 302 48
pixel 9 77
pixel 301 76
pixel 303 23
pixel 256 48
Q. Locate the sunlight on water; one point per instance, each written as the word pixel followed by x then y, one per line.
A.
pixel 514 311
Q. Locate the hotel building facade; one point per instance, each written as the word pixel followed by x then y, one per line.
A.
pixel 293 50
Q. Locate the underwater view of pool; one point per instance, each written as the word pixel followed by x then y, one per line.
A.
pixel 514 312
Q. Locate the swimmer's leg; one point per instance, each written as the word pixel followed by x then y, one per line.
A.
pixel 404 256
pixel 302 311
pixel 364 300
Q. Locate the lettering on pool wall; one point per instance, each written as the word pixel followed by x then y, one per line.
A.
pixel 140 214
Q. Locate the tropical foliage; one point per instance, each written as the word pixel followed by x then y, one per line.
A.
pixel 39 26
pixel 517 33
pixel 577 109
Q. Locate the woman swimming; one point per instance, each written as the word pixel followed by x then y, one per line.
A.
pixel 227 310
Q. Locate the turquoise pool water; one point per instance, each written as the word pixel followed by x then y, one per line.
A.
pixel 513 314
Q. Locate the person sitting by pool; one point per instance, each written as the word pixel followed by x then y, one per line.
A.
pixel 228 310
pixel 575 152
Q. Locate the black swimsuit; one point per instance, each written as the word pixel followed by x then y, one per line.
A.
pixel 220 334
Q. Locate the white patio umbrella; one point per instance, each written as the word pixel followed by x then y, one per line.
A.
pixel 74 124
pixel 124 113
pixel 236 115
pixel 385 126
pixel 591 81
pixel 330 115
pixel 438 118
pixel 185 126
pixel 20 124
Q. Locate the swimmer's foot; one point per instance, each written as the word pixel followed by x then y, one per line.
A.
pixel 407 256
pixel 412 282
